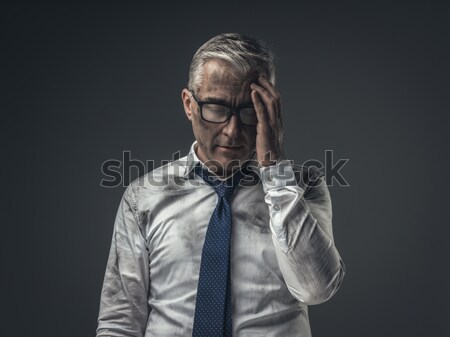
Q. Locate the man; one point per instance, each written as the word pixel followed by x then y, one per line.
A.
pixel 233 239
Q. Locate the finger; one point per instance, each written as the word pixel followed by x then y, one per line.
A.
pixel 269 87
pixel 265 83
pixel 269 101
pixel 261 112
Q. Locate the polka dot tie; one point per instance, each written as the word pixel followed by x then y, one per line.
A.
pixel 213 304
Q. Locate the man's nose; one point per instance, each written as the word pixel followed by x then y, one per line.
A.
pixel 232 128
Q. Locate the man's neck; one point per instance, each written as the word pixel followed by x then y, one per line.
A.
pixel 216 168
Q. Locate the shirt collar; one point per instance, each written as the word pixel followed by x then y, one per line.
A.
pixel 193 160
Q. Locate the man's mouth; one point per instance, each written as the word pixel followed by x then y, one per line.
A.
pixel 231 148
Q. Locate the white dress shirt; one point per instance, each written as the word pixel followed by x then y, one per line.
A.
pixel 282 255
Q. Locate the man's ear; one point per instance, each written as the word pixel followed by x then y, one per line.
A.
pixel 187 102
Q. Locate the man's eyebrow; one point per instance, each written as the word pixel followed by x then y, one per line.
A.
pixel 215 100
pixel 222 101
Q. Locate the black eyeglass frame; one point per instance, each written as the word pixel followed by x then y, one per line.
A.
pixel 230 113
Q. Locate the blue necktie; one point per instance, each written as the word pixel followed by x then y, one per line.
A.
pixel 213 304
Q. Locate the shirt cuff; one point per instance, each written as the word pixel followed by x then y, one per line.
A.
pixel 277 176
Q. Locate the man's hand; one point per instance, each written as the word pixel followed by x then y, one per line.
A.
pixel 269 130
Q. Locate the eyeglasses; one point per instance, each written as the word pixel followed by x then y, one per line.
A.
pixel 221 113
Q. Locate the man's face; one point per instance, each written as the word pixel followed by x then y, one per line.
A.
pixel 227 144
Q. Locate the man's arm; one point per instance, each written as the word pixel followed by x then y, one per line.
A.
pixel 302 233
pixel 123 304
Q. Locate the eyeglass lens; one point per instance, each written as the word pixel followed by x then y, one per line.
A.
pixel 219 113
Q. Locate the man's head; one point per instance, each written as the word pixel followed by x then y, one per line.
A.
pixel 221 71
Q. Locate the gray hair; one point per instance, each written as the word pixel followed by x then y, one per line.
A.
pixel 245 54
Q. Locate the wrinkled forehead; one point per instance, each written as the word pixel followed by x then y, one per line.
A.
pixel 220 76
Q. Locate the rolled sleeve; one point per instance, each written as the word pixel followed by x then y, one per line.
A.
pixel 301 224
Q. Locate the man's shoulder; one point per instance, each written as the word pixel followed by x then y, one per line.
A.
pixel 167 176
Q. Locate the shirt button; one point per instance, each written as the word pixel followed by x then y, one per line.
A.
pixel 270 177
pixel 276 208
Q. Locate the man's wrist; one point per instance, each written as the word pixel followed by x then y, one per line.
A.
pixel 267 163
pixel 277 176
pixel 270 161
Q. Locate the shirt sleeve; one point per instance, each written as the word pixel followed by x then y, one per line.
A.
pixel 302 232
pixel 123 304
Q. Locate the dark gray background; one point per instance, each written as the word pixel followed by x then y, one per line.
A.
pixel 82 82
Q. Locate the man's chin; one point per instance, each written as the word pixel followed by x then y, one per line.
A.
pixel 224 164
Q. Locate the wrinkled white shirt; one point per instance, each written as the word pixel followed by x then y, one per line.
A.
pixel 282 256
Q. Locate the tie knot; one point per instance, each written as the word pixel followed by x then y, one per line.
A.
pixel 223 188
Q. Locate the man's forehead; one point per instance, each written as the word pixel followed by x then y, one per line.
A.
pixel 219 75
pixel 230 87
